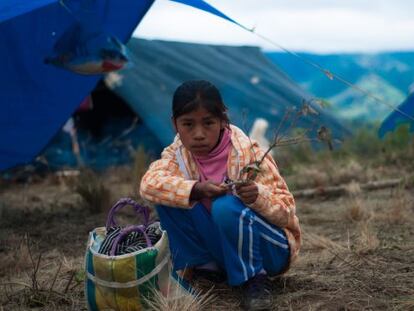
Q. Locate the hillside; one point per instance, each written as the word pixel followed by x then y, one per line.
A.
pixel 353 105
pixel 387 75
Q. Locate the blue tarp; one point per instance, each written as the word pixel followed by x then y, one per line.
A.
pixel 257 87
pixel 201 5
pixel 35 98
pixel 246 78
pixel 396 119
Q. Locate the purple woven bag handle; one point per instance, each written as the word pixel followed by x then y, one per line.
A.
pixel 139 209
pixel 124 232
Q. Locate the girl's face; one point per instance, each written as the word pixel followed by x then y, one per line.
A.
pixel 199 130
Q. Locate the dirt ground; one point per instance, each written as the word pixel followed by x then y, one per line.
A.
pixel 357 254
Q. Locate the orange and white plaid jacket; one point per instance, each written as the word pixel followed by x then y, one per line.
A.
pixel 169 181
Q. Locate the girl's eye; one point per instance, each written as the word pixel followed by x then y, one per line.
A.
pixel 187 124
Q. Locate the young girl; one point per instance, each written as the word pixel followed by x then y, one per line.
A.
pixel 248 230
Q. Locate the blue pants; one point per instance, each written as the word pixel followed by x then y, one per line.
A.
pixel 233 236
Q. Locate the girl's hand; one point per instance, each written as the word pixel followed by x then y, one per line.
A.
pixel 207 189
pixel 247 192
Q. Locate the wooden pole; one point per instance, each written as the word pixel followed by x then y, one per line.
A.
pixel 344 189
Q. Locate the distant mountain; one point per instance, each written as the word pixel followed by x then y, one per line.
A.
pixel 353 105
pixel 387 75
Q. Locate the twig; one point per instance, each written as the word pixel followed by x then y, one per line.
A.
pixel 295 120
pixel 35 284
pixel 16 283
pixel 72 275
pixel 281 141
pixel 6 292
pixel 252 169
pixel 343 259
pixel 278 129
pixel 294 141
pixel 54 281
pixel 76 285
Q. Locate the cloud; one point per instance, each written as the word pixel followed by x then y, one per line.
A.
pixel 318 26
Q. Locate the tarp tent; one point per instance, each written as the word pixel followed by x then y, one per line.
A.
pixel 257 87
pixel 36 99
pixel 245 76
pixel 107 133
pixel 396 119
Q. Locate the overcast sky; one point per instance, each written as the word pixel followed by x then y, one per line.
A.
pixel 321 26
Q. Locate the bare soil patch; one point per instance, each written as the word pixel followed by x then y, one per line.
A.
pixel 357 254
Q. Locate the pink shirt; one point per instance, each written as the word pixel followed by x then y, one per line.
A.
pixel 214 165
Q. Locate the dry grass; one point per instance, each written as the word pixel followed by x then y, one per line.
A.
pixel 356 210
pixel 399 211
pixel 405 303
pixel 311 177
pixel 16 259
pixel 328 172
pixel 357 253
pixel 367 240
pixel 193 300
pixel 350 171
pixel 318 242
pixel 48 281
pixel 95 195
pixel 356 207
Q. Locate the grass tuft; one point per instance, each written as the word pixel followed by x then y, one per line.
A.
pixel 190 301
pixel 96 197
pixel 355 209
pixel 367 241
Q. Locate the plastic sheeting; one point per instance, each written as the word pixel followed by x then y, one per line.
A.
pixel 247 79
pixel 396 119
pixel 204 6
pixel 36 99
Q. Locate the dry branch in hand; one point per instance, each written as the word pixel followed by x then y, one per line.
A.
pixel 280 140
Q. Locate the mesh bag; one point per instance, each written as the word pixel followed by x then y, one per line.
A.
pixel 121 282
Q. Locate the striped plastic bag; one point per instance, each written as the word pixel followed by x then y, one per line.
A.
pixel 122 282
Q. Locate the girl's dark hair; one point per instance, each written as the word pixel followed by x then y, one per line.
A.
pixel 198 93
